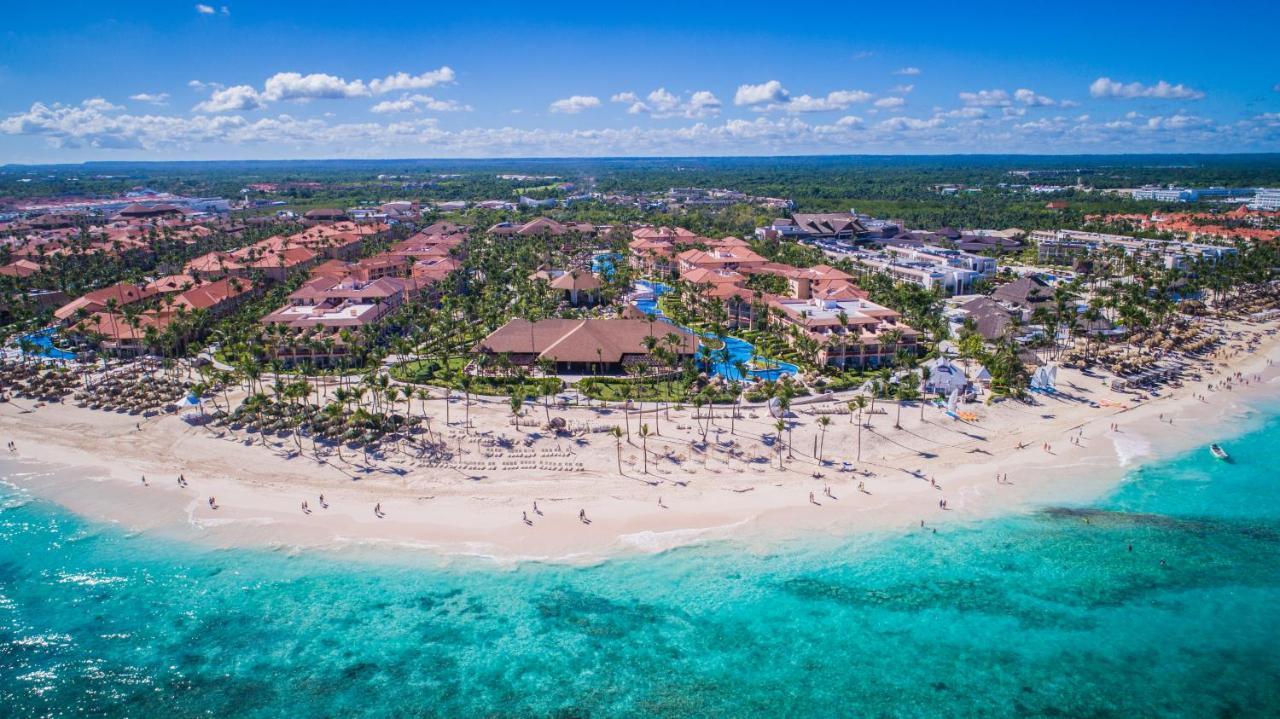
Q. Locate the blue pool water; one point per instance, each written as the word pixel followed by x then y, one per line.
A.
pixel 739 350
pixel 603 263
pixel 44 345
pixel 1048 614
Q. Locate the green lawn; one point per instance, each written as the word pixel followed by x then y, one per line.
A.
pixel 432 373
pixel 614 389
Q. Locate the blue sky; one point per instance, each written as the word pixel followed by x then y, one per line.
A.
pixel 177 80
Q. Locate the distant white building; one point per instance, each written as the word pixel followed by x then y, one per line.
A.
pixel 1186 194
pixel 985 266
pixel 1266 198
pixel 1059 246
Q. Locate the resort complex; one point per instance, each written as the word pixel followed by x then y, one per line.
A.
pixel 320 322
pixel 594 377
pixel 614 362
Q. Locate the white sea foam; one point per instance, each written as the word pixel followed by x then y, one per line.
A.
pixel 650 541
pixel 89 580
pixel 1130 447
pixel 42 640
pixel 256 521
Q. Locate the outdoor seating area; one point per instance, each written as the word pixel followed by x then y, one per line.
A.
pixel 47 383
pixel 134 390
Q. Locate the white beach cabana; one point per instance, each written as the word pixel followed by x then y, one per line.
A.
pixel 945 377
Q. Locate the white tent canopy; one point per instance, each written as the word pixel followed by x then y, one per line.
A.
pixel 944 376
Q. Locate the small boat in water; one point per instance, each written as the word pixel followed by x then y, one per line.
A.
pixel 1219 452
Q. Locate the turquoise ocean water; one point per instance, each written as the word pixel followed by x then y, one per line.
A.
pixel 1048 614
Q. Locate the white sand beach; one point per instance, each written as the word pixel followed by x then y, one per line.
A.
pixel 482 503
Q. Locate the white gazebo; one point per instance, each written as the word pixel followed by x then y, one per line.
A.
pixel 945 377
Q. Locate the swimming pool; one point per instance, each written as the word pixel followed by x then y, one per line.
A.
pixel 604 263
pixel 739 350
pixel 43 341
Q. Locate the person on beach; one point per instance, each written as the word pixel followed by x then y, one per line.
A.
pixel 535 508
pixel 377 509
pixel 322 503
pixel 144 481
pixel 213 503
pixel 525 517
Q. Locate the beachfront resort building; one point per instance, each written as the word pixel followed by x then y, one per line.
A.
pixel 584 346
pixel 123 332
pixel 849 333
pixel 821 303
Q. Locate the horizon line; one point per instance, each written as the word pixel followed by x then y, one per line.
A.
pixel 593 158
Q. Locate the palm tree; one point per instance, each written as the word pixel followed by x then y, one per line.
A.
pixel 466 381
pixel 644 445
pixel 698 402
pixel 616 431
pixel 859 402
pixel 547 367
pixel 924 382
pixel 517 403
pixel 899 394
pixel 779 426
pixel 823 422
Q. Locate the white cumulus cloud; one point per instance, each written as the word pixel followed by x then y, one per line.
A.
pixel 317 85
pixel 985 98
pixel 1032 99
pixel 834 100
pixel 296 87
pixel 393 106
pixel 907 71
pixel 575 104
pixel 96 127
pixel 662 104
pixel 1106 87
pixel 417 103
pixel 156 98
pixel 205 9
pixel 771 92
pixel 771 96
pixel 231 99
pixel 405 81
